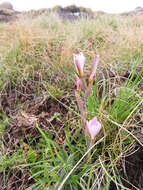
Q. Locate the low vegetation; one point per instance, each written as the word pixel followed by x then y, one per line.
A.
pixel 42 142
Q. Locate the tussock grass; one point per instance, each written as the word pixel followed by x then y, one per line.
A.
pixel 45 45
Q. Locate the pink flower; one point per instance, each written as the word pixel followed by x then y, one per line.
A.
pixel 79 84
pixel 79 61
pixel 93 127
pixel 94 68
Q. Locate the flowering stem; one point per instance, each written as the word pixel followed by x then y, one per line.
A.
pixel 81 106
pixel 83 90
pixel 88 91
pixel 90 144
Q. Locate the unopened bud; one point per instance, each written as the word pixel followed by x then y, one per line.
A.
pixel 79 61
pixel 93 69
pixel 93 127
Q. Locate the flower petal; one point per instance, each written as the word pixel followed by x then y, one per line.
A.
pixel 94 68
pixel 93 127
pixel 79 61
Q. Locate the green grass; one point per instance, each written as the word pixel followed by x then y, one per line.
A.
pixel 50 164
pixel 58 162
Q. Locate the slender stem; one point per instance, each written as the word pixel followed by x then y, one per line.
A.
pixel 90 144
pixel 81 106
pixel 88 91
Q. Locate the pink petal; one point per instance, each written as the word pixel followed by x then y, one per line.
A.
pixel 94 67
pixel 93 121
pixel 95 63
pixel 93 127
pixel 79 61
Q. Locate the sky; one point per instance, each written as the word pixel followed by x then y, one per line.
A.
pixel 109 6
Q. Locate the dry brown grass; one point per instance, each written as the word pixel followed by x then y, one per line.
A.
pixel 114 37
pixel 46 43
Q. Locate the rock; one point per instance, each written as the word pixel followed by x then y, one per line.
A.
pixel 6 5
pixel 137 11
pixel 7 13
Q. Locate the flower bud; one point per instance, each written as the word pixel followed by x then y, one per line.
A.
pixel 93 127
pixel 79 61
pixel 93 69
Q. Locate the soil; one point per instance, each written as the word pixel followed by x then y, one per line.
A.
pixel 27 110
pixel 18 179
pixel 133 168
